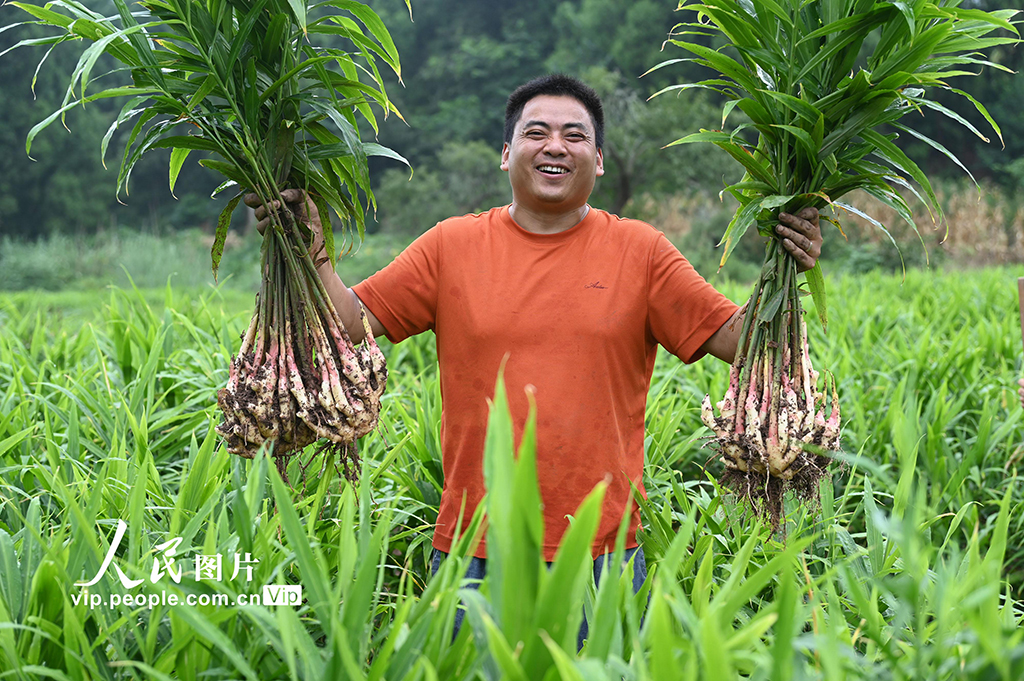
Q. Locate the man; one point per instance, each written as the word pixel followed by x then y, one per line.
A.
pixel 572 299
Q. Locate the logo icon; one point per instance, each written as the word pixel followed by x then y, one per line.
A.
pixel 282 594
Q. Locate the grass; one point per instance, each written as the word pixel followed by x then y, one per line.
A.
pixel 121 257
pixel 909 571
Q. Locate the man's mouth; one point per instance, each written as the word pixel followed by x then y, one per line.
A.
pixel 552 170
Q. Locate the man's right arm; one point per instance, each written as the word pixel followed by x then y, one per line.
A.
pixel 345 301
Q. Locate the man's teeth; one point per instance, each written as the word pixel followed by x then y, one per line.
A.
pixel 552 169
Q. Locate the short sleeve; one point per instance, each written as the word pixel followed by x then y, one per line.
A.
pixel 403 295
pixel 684 310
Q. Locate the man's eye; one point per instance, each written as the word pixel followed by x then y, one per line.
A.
pixel 534 133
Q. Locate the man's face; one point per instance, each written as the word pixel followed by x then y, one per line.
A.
pixel 553 159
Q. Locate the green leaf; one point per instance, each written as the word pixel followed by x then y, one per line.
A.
pixel 10 576
pixel 890 153
pixel 714 85
pixel 178 156
pixel 776 201
pixel 223 222
pixel 314 580
pixel 132 156
pixel 865 117
pixel 207 86
pixel 44 13
pixel 816 284
pixel 373 23
pixel 9 443
pixel 983 111
pixel 877 224
pixel 320 152
pixel 53 41
pixel 770 308
pixel 563 662
pixel 357 610
pixel 187 142
pixel 738 226
pixel 733 145
pixel 88 59
pixel 212 636
pixel 993 18
pixel 112 92
pixel 805 110
pixel 127 113
pixel 228 170
pixel 327 227
pixel 725 65
pixel 803 137
pixel 563 588
pixel 299 12
pixel 373 149
pixel 941 149
pixel 949 113
pixel 139 41
pixel 291 74
pixel 350 137
pixel 245 28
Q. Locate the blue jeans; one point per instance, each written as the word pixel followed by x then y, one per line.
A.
pixel 478 568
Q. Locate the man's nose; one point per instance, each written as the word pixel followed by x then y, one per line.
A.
pixel 555 145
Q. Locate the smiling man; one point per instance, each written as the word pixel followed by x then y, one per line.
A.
pixel 573 300
pixel 553 156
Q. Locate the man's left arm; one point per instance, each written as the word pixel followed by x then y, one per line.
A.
pixel 801 237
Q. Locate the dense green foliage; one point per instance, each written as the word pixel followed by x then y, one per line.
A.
pixel 66 188
pixel 821 124
pixel 909 572
pixel 246 82
pixel 460 62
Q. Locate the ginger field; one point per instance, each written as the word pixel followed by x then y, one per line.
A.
pixel 132 546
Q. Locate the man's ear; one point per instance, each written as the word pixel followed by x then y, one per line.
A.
pixel 504 157
pixel 600 163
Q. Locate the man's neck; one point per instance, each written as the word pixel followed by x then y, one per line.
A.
pixel 547 223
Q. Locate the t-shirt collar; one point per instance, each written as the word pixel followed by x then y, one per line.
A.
pixel 582 226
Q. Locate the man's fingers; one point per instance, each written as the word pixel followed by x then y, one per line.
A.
pixel 808 213
pixel 289 195
pixel 261 212
pixel 798 223
pixel 805 261
pixel 793 237
pixel 803 233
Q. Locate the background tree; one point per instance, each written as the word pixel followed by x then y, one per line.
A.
pixel 460 60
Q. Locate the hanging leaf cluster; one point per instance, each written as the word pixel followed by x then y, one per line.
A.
pixel 246 82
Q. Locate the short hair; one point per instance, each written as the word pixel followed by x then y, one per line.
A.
pixel 558 85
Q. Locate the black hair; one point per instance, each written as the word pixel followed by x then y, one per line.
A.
pixel 558 85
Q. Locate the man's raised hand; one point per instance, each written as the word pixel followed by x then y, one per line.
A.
pixel 801 236
pixel 304 210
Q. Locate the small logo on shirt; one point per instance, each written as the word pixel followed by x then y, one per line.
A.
pixel 595 284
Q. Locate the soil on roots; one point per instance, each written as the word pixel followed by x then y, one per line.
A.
pixel 764 492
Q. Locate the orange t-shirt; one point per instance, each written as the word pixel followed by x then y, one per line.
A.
pixel 580 315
